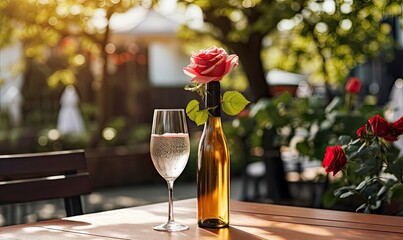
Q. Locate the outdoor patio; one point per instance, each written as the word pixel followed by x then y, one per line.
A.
pixel 309 95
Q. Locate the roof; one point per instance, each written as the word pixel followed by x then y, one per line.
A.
pixel 153 23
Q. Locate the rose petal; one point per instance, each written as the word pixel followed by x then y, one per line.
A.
pixel 216 67
pixel 231 63
pixel 379 126
pixel 190 72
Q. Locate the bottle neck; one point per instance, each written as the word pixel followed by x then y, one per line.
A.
pixel 213 98
pixel 213 123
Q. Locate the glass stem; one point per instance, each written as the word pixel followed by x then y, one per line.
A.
pixel 170 201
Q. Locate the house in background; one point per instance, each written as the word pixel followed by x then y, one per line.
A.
pixel 152 76
pixel 146 73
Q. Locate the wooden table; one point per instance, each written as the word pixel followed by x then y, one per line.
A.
pixel 248 221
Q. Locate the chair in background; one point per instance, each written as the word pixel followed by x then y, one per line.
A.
pixel 43 176
pixel 306 185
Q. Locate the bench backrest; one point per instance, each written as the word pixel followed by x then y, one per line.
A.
pixel 42 176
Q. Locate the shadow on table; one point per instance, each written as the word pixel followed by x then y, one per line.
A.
pixel 231 233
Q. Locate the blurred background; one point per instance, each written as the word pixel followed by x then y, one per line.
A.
pixel 88 74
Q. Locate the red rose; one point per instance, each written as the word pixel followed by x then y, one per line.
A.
pixel 362 132
pixel 379 126
pixel 353 85
pixel 334 159
pixel 391 138
pixel 210 65
pixel 398 126
pixel 396 129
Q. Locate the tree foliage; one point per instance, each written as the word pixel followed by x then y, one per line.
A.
pixel 76 26
pixel 337 36
pixel 77 31
pixel 323 38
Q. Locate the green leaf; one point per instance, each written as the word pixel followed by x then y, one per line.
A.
pixel 397 191
pixel 233 102
pixel 282 99
pixel 355 141
pixel 382 190
pixel 369 167
pixel 201 117
pixel 346 195
pixel 344 139
pixel 195 114
pixel 304 148
pixel 334 104
pixel 361 185
pixel 377 204
pixel 192 108
pixel 362 206
pixel 395 168
pixel 361 147
pixel 338 192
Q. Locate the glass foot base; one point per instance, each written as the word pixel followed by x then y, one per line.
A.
pixel 171 227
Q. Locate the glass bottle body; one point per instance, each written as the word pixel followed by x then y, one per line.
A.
pixel 213 178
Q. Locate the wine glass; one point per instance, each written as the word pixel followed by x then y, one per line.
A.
pixel 170 149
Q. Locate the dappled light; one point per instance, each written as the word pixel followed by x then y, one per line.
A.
pixel 313 131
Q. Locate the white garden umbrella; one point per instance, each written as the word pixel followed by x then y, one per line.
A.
pixel 12 102
pixel 69 119
pixel 396 104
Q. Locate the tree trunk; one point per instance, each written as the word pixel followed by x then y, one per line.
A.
pixel 250 58
pixel 103 94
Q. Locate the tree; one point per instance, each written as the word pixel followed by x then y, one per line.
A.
pixel 326 37
pixel 71 26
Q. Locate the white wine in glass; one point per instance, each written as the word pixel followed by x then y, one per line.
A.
pixel 170 149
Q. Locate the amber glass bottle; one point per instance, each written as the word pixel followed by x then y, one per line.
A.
pixel 213 166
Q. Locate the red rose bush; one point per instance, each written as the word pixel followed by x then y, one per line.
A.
pixel 373 159
pixel 209 65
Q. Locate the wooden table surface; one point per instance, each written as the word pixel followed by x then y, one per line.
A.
pixel 248 221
